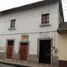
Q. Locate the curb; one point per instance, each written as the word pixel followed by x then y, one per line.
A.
pixel 13 64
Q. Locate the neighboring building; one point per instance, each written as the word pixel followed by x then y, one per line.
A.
pixel 34 33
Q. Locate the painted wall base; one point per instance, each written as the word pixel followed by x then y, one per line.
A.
pixel 15 57
pixel 62 63
pixel 32 58
pixel 2 55
pixel 55 62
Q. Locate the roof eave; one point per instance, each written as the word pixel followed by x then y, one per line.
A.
pixel 28 6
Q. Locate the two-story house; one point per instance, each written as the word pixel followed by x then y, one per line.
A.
pixel 32 33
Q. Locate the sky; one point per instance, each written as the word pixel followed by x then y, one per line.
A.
pixel 7 4
pixel 64 2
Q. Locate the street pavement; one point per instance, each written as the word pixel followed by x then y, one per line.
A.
pixel 6 65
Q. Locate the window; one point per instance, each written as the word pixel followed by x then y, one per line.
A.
pixel 12 25
pixel 45 18
pixel 10 42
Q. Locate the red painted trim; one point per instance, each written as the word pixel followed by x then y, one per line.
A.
pixel 62 63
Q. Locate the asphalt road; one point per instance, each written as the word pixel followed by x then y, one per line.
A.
pixel 6 65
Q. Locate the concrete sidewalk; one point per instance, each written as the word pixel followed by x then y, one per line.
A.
pixel 21 63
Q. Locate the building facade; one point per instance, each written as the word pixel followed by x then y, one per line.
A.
pixel 29 33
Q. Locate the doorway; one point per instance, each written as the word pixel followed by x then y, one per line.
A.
pixel 45 51
pixel 23 51
pixel 10 44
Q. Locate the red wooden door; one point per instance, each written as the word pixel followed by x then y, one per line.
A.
pixel 9 49
pixel 23 51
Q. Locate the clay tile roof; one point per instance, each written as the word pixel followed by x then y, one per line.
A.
pixel 62 27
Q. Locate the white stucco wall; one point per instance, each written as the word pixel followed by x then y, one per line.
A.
pixel 33 39
pixel 26 22
pixel 3 41
pixel 33 45
pixel 30 20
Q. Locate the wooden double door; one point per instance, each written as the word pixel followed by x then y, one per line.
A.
pixel 23 51
pixel 10 44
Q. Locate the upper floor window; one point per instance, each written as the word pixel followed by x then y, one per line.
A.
pixel 45 18
pixel 12 25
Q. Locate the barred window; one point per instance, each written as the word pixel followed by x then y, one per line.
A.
pixel 45 18
pixel 12 25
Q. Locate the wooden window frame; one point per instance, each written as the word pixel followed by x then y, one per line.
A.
pixel 12 25
pixel 45 19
